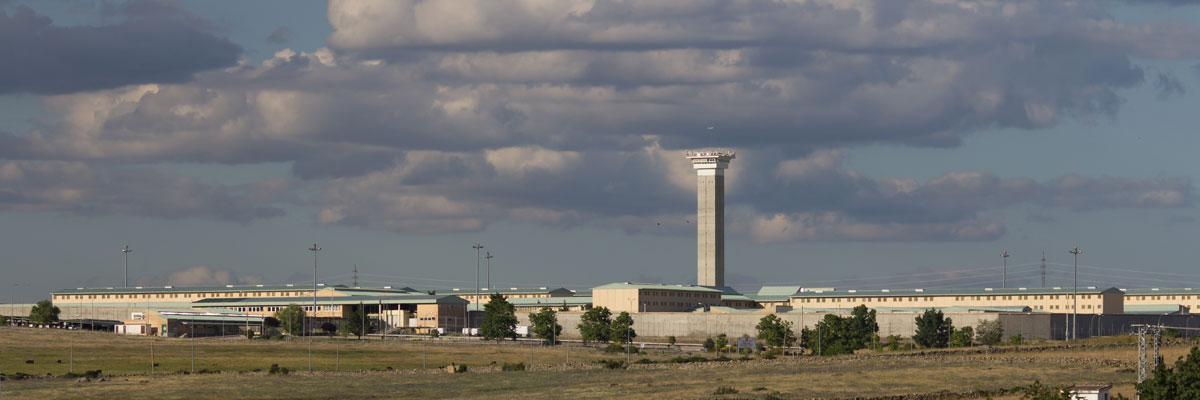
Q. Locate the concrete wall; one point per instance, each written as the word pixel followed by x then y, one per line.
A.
pixel 701 325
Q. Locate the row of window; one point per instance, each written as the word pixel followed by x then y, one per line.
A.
pixel 1160 297
pixel 676 293
pixel 930 298
pixel 201 295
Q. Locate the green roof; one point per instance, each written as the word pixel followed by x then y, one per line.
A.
pixel 951 292
pixel 178 289
pixel 552 291
pixel 656 286
pixel 777 291
pixel 271 301
pixel 1161 291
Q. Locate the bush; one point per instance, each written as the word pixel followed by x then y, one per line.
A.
pixel 329 328
pixel 989 332
pixel 616 348
pixel 434 333
pixel 933 329
pixel 275 370
pixel 644 361
pixel 722 341
pixel 249 334
pixel 1016 340
pixel 613 364
pixel 513 367
pixel 962 337
pixel 725 390
pixel 670 340
pixel 893 342
pixel 91 374
pixel 460 369
pixel 709 344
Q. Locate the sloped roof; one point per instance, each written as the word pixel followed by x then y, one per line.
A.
pixel 656 286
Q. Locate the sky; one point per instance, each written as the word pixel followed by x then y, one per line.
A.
pixel 880 144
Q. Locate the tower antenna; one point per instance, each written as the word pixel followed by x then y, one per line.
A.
pixel 1043 270
pixel 355 275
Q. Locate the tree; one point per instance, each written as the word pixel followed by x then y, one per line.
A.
pixel 933 329
pixel 1181 382
pixel 594 325
pixel 862 326
pixel 499 319
pixel 545 324
pixel 962 337
pixel 1038 391
pixel 431 292
pixel 989 332
pixel 775 332
pixel 621 329
pixel 3 320
pixel 354 323
pixel 722 341
pixel 329 328
pixel 709 344
pixel 291 318
pixel 43 313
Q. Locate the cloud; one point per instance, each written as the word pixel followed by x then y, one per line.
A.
pixel 153 43
pixel 32 186
pixel 280 35
pixel 441 116
pixel 1168 85
pixel 1039 218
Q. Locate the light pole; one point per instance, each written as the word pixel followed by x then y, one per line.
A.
pixel 489 270
pixel 1075 296
pixel 1004 272
pixel 314 249
pixel 467 312
pixel 126 250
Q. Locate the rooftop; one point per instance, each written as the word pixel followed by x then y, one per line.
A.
pixel 656 286
pixel 342 300
pixel 178 289
pixel 951 292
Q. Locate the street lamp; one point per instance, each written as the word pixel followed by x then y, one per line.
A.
pixel 126 250
pixel 1075 297
pixel 313 249
pixel 489 270
pixel 1004 272
pixel 466 313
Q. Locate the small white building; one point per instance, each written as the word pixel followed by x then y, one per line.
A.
pixel 1090 392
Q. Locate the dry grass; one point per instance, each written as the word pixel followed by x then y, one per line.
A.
pixel 803 377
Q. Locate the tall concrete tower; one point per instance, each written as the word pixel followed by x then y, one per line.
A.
pixel 710 168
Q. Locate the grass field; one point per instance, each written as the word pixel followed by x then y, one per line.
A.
pixel 872 374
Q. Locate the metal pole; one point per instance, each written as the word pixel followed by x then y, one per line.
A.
pixel 489 270
pixel 1075 296
pixel 192 327
pixel 337 355
pixel 1004 272
pixel 531 354
pixel 314 249
pixel 477 246
pixel 126 250
pixel 151 357
pixel 71 357
pixel 425 354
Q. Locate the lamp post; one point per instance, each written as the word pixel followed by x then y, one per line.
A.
pixel 126 250
pixel 314 249
pixel 467 313
pixel 489 270
pixel 1075 295
pixel 1004 272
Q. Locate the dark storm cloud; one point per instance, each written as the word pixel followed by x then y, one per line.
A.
pixel 154 43
pixel 439 116
pixel 82 189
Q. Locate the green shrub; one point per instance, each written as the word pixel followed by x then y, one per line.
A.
pixel 613 364
pixel 1016 339
pixel 691 359
pixel 513 367
pixel 275 370
pixel 709 344
pixel 249 334
pixel 644 361
pixel 616 348
pixel 725 390
pixel 460 369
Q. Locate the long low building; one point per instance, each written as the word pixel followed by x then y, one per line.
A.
pixel 651 297
pixel 1091 300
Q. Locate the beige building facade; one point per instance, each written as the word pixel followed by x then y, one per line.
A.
pixel 1053 300
pixel 643 297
